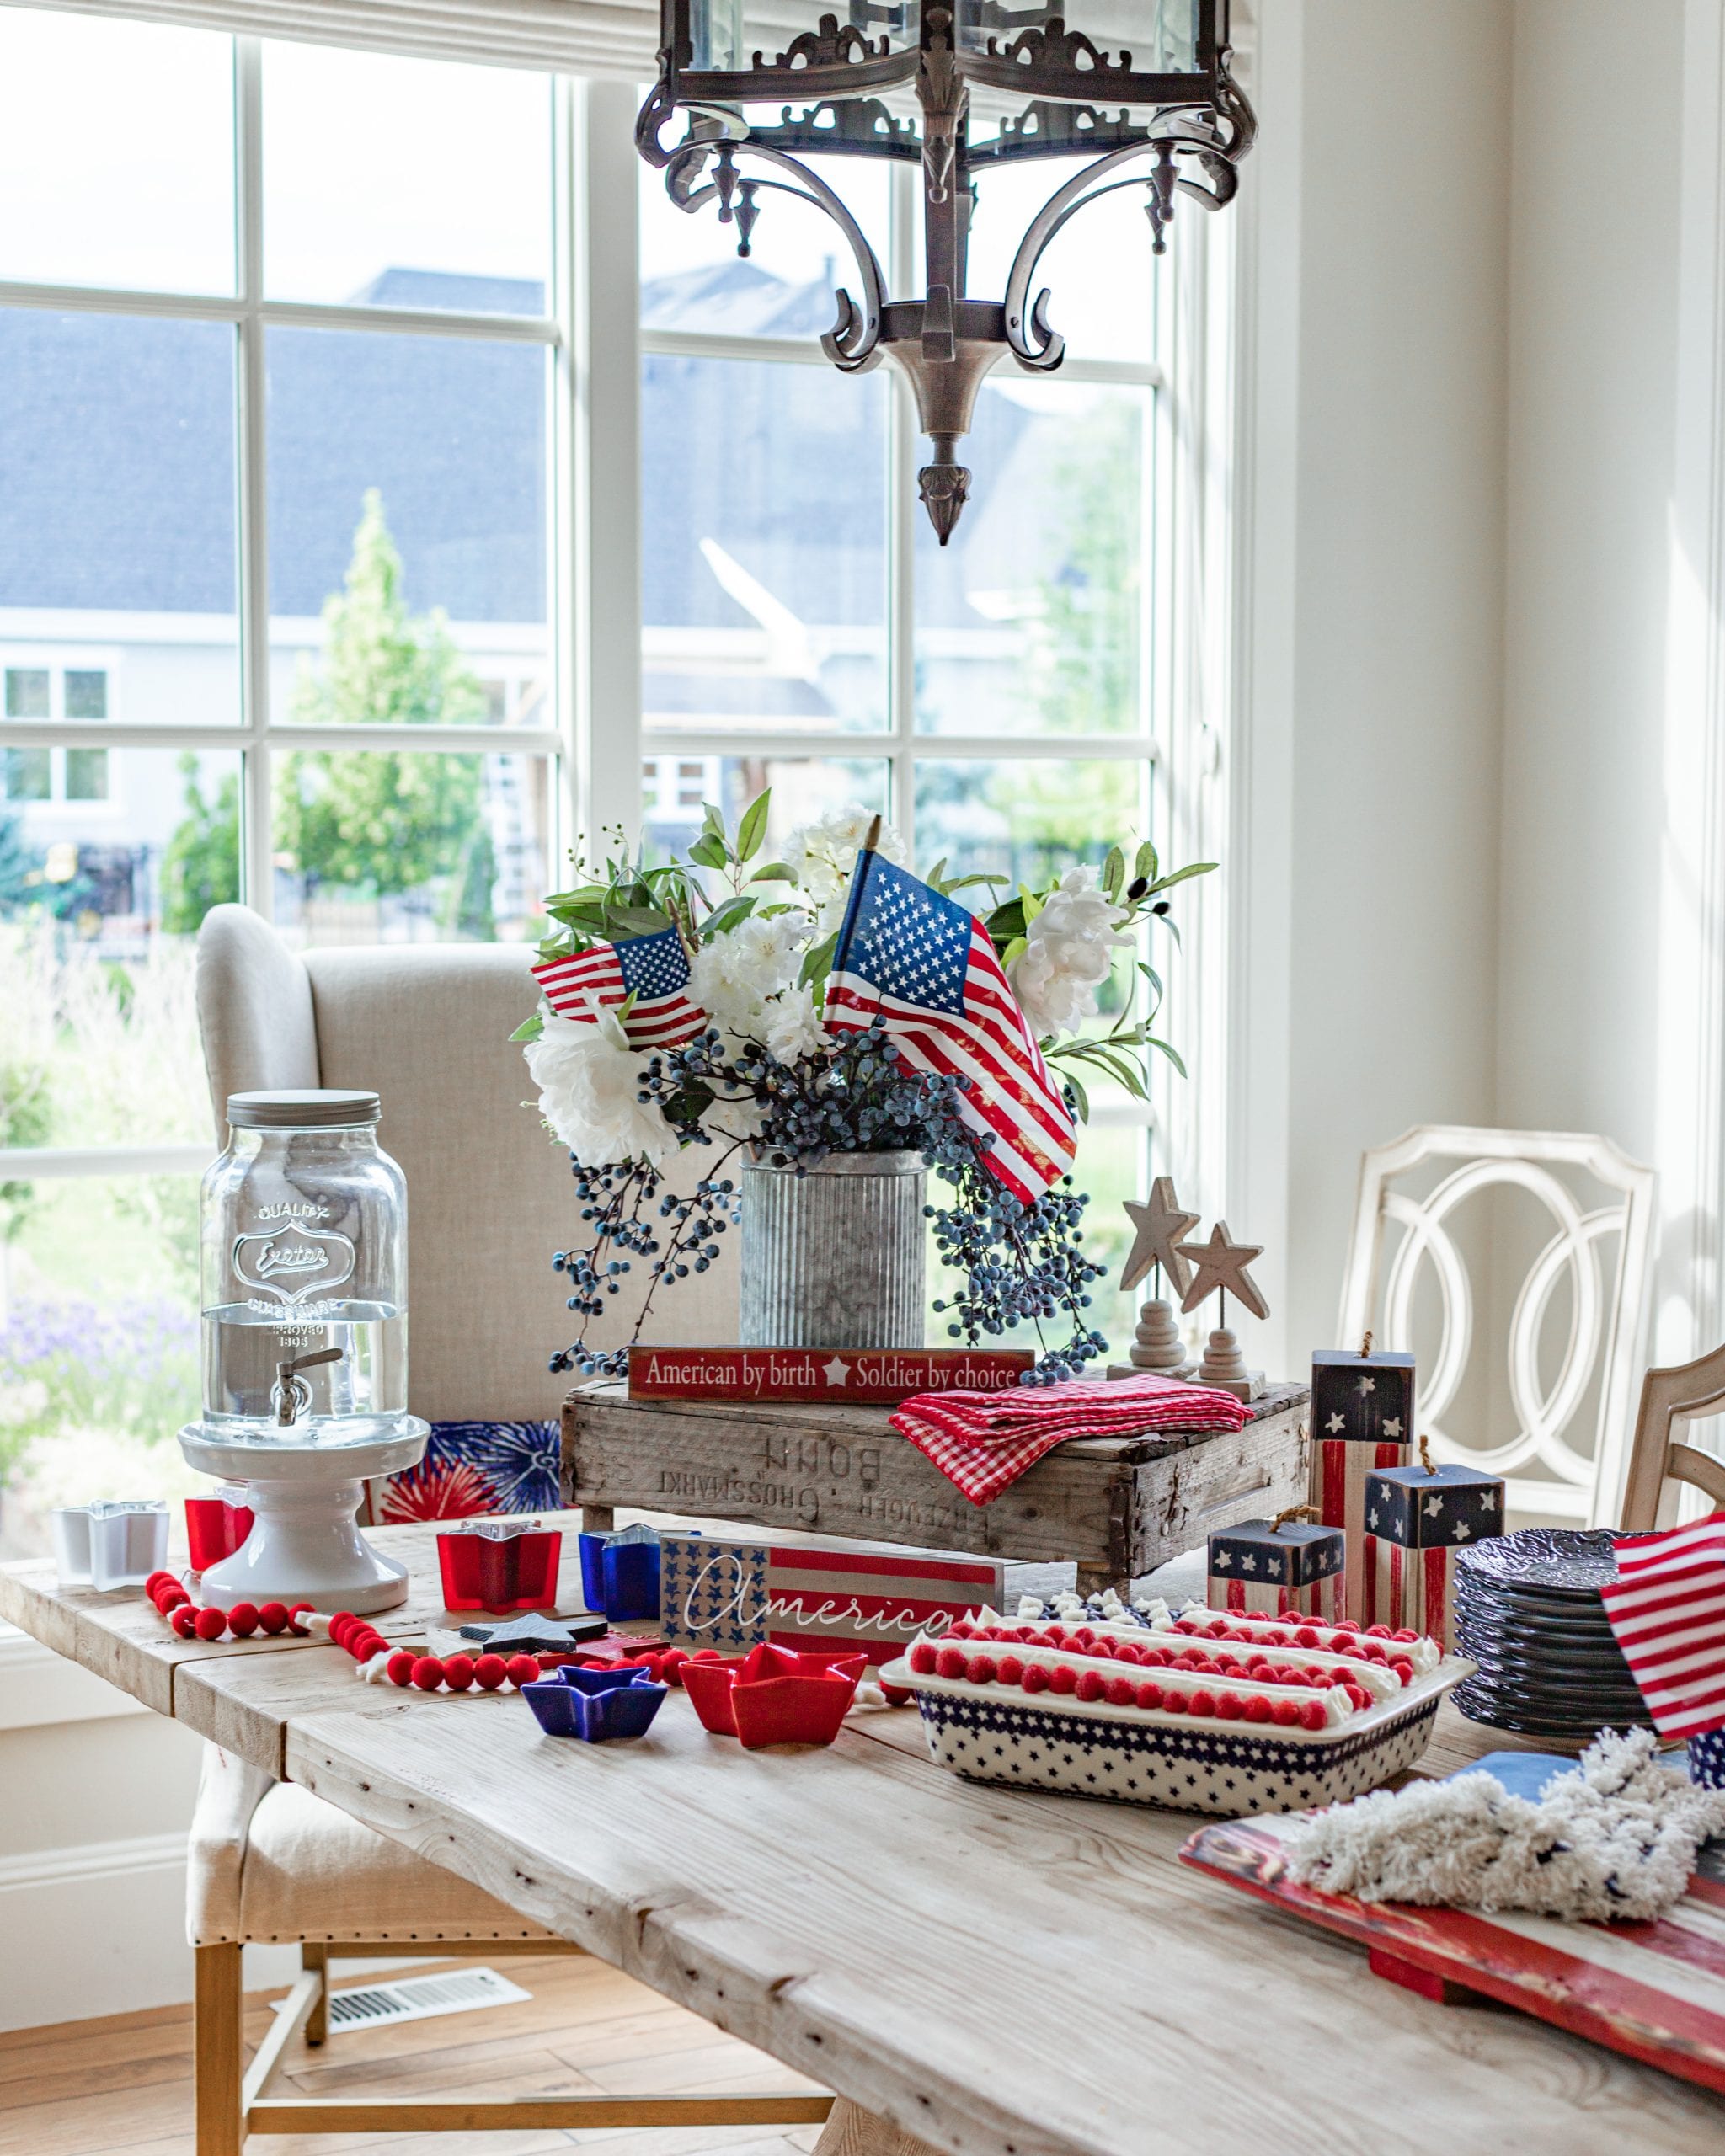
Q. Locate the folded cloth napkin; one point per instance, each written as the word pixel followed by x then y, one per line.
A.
pixel 984 1441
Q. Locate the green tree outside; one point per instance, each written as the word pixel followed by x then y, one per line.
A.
pixel 379 823
pixel 384 823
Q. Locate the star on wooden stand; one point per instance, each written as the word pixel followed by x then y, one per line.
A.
pixel 1221 1269
pixel 1221 1264
pixel 1157 1226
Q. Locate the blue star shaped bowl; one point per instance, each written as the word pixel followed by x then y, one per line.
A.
pixel 597 1705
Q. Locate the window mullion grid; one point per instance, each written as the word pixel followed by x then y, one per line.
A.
pixel 257 874
pixel 906 183
pixel 566 541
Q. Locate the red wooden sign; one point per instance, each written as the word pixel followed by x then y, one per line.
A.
pixel 870 1377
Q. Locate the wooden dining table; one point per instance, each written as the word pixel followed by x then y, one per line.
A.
pixel 975 1969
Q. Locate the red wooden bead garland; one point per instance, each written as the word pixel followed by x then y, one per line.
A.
pixel 362 1639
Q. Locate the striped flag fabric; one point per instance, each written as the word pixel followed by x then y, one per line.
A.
pixel 922 966
pixel 655 969
pixel 1666 1608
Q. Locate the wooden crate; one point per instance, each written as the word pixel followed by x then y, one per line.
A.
pixel 1117 1506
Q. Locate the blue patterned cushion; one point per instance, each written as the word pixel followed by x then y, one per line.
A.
pixel 476 1467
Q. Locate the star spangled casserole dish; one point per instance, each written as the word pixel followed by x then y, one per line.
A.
pixel 1203 1711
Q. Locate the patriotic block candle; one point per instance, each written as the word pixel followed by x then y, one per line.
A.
pixel 1416 1519
pixel 1362 1423
pixel 1293 1570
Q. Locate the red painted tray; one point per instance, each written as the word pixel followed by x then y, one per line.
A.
pixel 1654 1991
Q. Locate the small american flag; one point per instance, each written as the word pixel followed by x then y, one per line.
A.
pixel 655 969
pixel 1667 1608
pixel 923 966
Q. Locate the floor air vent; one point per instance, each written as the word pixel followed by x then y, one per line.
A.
pixel 415 1998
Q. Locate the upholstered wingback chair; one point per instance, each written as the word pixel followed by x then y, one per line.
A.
pixel 426 1027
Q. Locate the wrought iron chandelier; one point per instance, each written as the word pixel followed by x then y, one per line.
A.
pixel 964 94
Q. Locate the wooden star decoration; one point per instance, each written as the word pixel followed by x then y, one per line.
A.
pixel 1221 1264
pixel 1158 1227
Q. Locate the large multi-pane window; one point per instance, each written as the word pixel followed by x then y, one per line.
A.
pixel 318 592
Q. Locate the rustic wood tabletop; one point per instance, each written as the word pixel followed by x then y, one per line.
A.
pixel 980 1968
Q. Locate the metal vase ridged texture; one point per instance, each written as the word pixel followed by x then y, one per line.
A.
pixel 834 1257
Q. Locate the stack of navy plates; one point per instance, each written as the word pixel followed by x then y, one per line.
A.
pixel 1528 1611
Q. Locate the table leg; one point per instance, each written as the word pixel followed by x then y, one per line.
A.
pixel 598 1519
pixel 218 2050
pixel 852 2131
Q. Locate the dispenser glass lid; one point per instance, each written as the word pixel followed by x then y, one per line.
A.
pixel 306 1109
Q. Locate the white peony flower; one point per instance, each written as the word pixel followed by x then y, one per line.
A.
pixel 1068 952
pixel 794 1028
pixel 824 853
pixel 588 1077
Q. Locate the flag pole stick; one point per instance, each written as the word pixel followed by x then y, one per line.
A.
pixel 872 839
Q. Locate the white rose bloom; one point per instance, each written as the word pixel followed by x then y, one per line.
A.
pixel 825 852
pixel 794 1026
pixel 744 1118
pixel 722 981
pixel 588 1077
pixel 1068 953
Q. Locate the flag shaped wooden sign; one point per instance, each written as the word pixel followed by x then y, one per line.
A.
pixel 1655 1992
pixel 1416 1519
pixel 731 1592
pixel 861 1377
pixel 1362 1420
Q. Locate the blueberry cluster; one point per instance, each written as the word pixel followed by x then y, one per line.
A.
pixel 615 1202
pixel 1019 1263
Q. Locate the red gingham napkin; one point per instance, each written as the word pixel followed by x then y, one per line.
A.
pixel 984 1441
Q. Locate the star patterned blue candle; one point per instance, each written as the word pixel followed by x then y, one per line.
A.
pixel 1416 1519
pixel 1291 1570
pixel 1362 1418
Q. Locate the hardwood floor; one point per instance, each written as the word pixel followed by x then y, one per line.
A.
pixel 99 2088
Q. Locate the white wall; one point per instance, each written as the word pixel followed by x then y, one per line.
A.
pixel 1380 560
pixel 95 1798
pixel 1589 460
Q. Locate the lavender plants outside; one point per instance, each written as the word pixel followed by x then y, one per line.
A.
pixel 91 1395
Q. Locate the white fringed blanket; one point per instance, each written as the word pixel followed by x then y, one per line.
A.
pixel 1616 1836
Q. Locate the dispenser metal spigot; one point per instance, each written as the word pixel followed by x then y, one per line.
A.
pixel 292 1394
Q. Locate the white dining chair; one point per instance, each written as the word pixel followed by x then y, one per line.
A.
pixel 426 1027
pixel 1591 1259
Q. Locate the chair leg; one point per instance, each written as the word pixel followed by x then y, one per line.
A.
pixel 219 2050
pixel 314 1955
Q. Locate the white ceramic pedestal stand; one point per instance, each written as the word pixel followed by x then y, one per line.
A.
pixel 305 1544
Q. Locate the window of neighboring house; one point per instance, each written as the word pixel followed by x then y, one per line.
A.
pixel 45 773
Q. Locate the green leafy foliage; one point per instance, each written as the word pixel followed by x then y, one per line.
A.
pixel 200 861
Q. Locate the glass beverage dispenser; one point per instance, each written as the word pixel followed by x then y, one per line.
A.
pixel 305 1345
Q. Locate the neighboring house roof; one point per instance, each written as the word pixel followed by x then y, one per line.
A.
pixel 117 459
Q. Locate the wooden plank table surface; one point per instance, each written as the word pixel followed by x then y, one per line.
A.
pixel 988 1970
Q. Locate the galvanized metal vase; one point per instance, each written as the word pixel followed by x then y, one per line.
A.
pixel 834 1257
